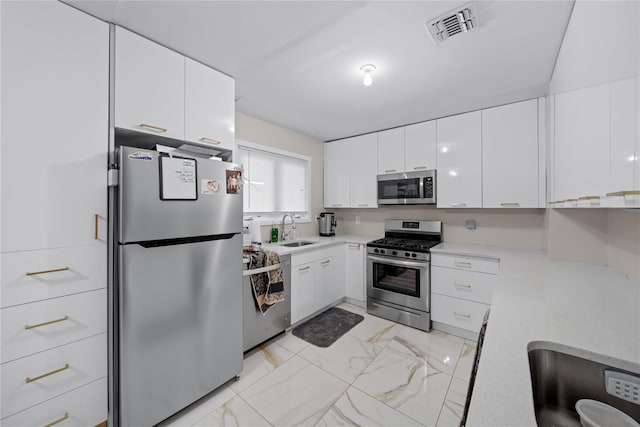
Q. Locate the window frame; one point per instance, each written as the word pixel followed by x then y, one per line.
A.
pixel 267 218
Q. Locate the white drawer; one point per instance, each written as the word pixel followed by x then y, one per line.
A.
pixel 82 407
pixel 86 270
pixel 463 262
pixel 52 323
pixel 467 285
pixel 458 312
pixel 309 256
pixel 31 380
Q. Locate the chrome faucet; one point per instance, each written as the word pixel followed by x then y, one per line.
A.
pixel 283 235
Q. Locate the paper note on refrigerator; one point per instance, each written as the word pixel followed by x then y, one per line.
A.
pixel 178 179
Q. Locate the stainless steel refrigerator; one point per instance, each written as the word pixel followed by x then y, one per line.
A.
pixel 179 281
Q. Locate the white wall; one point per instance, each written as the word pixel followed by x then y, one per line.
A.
pixel 601 45
pixel 251 129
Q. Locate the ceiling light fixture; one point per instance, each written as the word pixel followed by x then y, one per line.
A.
pixel 368 69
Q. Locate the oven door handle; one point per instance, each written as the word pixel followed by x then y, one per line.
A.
pixel 399 263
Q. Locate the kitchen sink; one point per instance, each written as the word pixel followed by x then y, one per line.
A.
pixel 559 379
pixel 297 244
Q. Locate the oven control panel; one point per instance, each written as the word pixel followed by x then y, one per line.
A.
pixel 399 253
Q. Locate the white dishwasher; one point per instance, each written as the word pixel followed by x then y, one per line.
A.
pixel 257 327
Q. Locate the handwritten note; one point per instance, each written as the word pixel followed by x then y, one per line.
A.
pixel 178 179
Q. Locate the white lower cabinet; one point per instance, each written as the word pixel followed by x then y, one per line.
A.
pixel 34 379
pixel 317 281
pixel 82 407
pixel 461 291
pixel 355 272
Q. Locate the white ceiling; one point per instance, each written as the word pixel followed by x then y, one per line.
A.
pixel 297 63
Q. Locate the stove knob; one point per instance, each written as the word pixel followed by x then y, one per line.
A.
pixel 407 254
pixel 382 251
pixel 394 253
pixel 413 255
pixel 376 250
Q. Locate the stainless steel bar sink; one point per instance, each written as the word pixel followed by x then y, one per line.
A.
pixel 560 377
pixel 297 244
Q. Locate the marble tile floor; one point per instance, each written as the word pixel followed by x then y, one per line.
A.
pixel 379 373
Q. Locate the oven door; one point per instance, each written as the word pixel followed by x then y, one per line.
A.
pixel 398 281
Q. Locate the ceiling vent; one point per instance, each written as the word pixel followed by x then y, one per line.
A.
pixel 454 22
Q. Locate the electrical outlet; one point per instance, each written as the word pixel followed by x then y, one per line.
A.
pixel 470 224
pixel 357 219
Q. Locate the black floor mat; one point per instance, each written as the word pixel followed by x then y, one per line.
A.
pixel 325 329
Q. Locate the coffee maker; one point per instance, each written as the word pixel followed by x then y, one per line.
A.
pixel 327 223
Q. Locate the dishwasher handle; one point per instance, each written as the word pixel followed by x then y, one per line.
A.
pixel 264 269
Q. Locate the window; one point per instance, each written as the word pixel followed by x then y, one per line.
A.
pixel 275 182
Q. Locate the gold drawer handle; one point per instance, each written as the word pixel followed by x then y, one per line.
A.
pixel 510 204
pixel 50 322
pixel 58 421
pixel 462 285
pixel 95 226
pixel 390 170
pixel 305 268
pixel 570 200
pixel 325 262
pixel 465 315
pixel 39 377
pixel 458 205
pixel 589 198
pixel 211 140
pixel 419 167
pixel 352 246
pixel 152 127
pixel 624 193
pixel 462 263
pixel 55 270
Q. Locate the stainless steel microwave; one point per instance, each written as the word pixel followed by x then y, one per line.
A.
pixel 407 188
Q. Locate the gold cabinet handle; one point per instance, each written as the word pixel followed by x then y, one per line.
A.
pixel 58 421
pixel 336 206
pixel 462 263
pixel 50 322
pixel 570 200
pixel 458 205
pixel 510 204
pixel 624 193
pixel 462 285
pixel 55 270
pixel 353 246
pixel 363 205
pixel 39 377
pixel 211 140
pixel 304 268
pixel 325 262
pixel 152 127
pixel 95 226
pixel 465 315
pixel 390 170
pixel 419 167
pixel 589 198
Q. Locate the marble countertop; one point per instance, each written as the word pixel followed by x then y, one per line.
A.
pixel 588 307
pixel 321 241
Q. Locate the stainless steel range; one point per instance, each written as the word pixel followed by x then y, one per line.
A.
pixel 398 272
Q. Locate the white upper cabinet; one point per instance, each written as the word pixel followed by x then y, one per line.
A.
pixel 149 86
pixel 55 77
pixel 391 151
pixel 420 146
pixel 350 167
pixel 510 156
pixel 209 106
pixel 459 145
pixel 582 146
pixel 362 164
pixel 336 174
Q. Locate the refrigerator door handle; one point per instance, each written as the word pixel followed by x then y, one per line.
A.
pixel 183 240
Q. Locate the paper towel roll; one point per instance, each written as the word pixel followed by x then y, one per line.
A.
pixel 254 231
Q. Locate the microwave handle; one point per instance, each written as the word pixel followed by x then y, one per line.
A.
pixel 399 263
